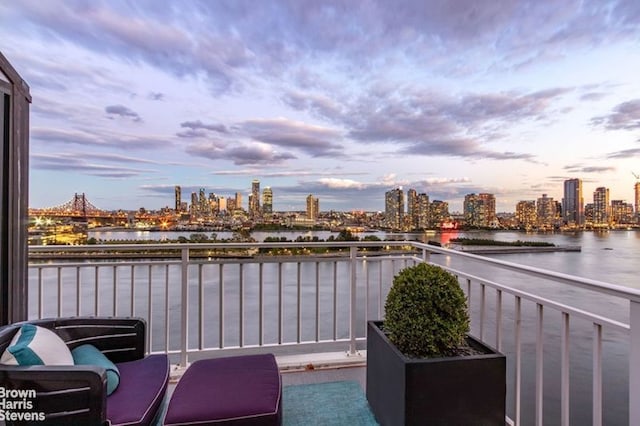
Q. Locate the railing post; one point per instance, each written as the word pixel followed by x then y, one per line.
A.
pixel 426 255
pixel 634 363
pixel 353 251
pixel 184 306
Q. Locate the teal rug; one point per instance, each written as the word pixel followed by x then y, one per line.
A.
pixel 333 403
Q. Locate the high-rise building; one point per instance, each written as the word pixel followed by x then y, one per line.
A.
pixel 178 198
pixel 267 200
pixel 588 213
pixel 526 214
pixel 193 208
pixel 621 212
pixel 203 203
pixel 413 209
pixel 238 201
pixel 424 211
pixel 254 199
pixel 438 214
pixel 214 204
pixel 480 210
pixel 547 211
pixel 394 208
pixel 573 203
pixel 601 206
pixel 313 207
pixel 637 200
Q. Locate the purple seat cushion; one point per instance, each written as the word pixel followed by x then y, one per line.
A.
pixel 143 384
pixel 241 390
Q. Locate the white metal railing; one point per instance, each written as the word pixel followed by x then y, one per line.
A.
pixel 308 303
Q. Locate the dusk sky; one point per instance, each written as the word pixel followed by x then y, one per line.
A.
pixel 340 99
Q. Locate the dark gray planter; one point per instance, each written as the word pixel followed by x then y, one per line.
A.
pixel 465 390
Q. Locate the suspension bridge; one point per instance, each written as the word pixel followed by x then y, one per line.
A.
pixel 77 207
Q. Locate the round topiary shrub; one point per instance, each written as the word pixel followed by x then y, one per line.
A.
pixel 426 312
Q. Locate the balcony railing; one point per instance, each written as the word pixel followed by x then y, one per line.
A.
pixel 199 302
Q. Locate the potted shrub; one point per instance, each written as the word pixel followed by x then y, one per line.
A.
pixel 422 365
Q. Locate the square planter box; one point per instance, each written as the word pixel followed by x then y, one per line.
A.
pixel 464 390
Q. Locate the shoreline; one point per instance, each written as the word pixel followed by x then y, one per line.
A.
pixel 512 249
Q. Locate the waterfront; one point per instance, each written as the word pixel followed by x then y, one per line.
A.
pixel 607 256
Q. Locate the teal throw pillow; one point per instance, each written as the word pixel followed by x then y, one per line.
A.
pixel 35 345
pixel 90 355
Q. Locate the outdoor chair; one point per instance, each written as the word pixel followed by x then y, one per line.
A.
pixel 78 394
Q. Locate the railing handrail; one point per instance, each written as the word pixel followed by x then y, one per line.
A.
pixel 178 246
pixel 586 283
pixel 625 292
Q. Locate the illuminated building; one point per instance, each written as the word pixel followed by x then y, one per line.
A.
pixel 526 214
pixel 637 200
pixel 480 210
pixel 394 208
pixel 267 200
pixel 193 208
pixel 214 205
pixel 313 207
pixel 573 203
pixel 413 209
pixel 178 198
pixel 621 212
pixel 546 211
pixel 438 213
pixel 423 211
pixel 601 207
pixel 254 199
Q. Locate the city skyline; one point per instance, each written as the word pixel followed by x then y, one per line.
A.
pixel 341 100
pixel 572 199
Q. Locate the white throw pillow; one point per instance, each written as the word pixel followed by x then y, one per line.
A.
pixel 34 345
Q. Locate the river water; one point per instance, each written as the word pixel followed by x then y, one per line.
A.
pixel 612 257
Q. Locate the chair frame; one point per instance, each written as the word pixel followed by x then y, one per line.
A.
pixel 75 394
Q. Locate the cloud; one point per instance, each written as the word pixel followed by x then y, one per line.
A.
pixel 283 173
pixel 122 111
pixel 99 139
pixel 625 116
pixel 156 96
pixel 81 163
pixel 593 96
pixel 336 183
pixel 77 137
pixel 198 39
pixel 315 141
pixel 318 105
pixel 579 168
pixel 431 123
pixel 240 154
pixel 198 127
pixel 625 153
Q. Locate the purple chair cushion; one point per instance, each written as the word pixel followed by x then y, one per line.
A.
pixel 241 390
pixel 143 384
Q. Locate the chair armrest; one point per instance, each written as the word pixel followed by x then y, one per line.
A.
pixel 120 339
pixel 65 394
